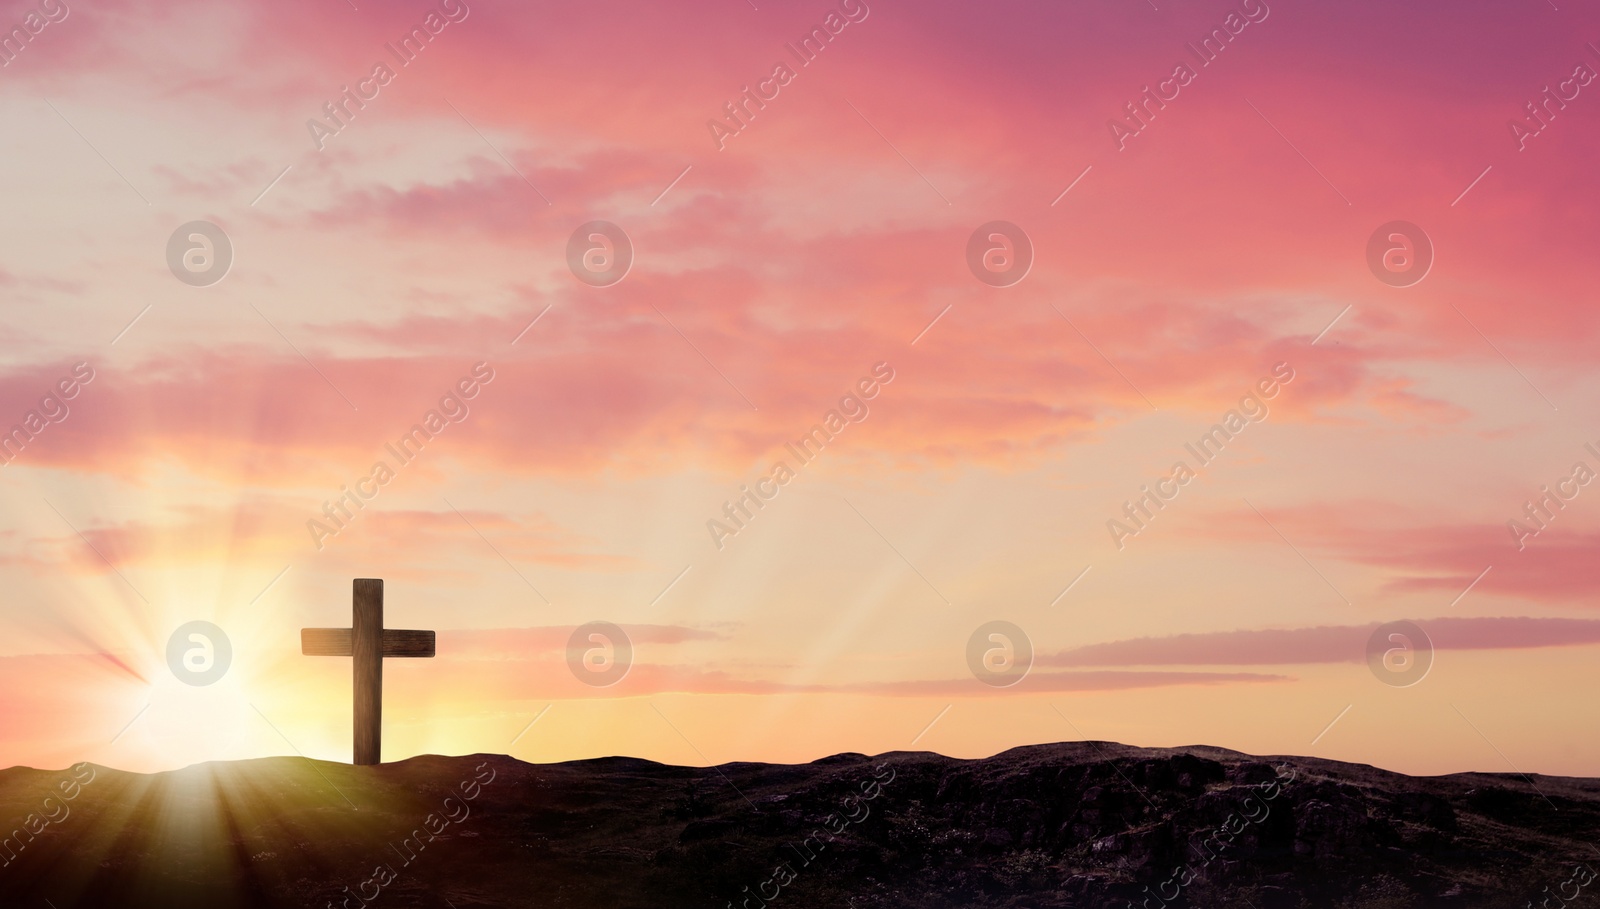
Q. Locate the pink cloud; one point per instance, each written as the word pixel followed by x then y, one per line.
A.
pixel 1324 644
pixel 1553 567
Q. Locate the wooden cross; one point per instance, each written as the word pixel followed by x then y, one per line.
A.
pixel 368 642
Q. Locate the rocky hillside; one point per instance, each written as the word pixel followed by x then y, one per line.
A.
pixel 1071 825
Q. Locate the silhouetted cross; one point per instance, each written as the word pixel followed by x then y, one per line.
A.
pixel 368 642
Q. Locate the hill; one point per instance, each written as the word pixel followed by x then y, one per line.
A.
pixel 1068 825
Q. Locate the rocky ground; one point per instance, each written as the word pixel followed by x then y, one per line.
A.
pixel 1070 825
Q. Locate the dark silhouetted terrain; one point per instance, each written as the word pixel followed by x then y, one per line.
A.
pixel 1070 825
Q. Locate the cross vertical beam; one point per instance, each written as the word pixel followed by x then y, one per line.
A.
pixel 367 650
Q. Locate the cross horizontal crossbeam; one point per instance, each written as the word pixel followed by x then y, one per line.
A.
pixel 397 642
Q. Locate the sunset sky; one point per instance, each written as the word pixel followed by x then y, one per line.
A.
pixel 1178 261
